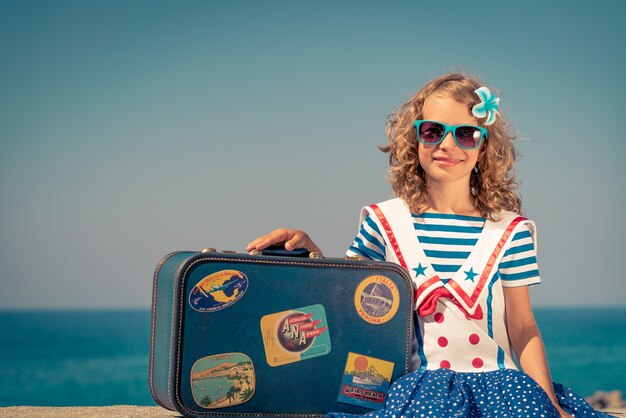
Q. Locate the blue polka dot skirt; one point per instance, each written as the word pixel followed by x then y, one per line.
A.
pixel 500 393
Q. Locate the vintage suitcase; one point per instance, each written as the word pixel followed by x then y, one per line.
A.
pixel 258 335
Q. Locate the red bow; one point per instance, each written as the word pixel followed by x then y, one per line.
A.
pixel 429 304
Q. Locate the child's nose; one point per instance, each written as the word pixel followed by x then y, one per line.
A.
pixel 448 141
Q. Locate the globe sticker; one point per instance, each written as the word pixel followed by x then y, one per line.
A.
pixel 218 291
pixel 376 299
pixel 295 335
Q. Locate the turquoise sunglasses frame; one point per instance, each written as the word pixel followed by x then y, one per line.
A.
pixel 484 133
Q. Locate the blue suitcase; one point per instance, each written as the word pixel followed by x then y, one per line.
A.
pixel 237 335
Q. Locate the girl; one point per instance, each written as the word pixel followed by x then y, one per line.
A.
pixel 454 227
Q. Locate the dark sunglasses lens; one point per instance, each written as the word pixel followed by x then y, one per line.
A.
pixel 431 132
pixel 468 136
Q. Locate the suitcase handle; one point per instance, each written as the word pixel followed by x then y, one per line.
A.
pixel 280 251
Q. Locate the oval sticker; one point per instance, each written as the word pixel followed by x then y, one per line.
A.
pixel 377 299
pixel 218 291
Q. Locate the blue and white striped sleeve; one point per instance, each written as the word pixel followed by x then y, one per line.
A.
pixel 369 242
pixel 518 266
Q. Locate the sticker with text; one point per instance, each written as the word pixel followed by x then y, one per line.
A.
pixel 218 291
pixel 377 299
pixel 365 381
pixel 222 380
pixel 295 335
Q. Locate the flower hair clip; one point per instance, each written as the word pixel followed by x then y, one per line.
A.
pixel 488 107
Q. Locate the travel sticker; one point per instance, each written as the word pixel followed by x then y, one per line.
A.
pixel 377 299
pixel 295 335
pixel 222 380
pixel 218 291
pixel 365 381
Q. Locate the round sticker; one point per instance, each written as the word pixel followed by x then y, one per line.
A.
pixel 218 291
pixel 377 299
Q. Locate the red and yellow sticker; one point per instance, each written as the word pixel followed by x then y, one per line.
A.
pixel 295 335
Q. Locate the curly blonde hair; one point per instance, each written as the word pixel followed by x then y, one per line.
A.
pixel 492 185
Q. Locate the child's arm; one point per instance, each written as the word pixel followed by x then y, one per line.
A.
pixel 291 238
pixel 526 340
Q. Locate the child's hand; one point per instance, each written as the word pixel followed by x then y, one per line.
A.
pixel 291 238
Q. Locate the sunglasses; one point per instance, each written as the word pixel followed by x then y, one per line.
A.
pixel 431 132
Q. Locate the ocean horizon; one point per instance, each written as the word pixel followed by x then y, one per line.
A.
pixel 76 357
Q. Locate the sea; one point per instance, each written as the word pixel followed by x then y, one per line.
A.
pixel 100 357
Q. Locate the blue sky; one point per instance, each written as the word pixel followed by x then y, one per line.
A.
pixel 132 129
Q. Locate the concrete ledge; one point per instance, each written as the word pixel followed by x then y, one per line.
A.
pixel 118 411
pixel 124 411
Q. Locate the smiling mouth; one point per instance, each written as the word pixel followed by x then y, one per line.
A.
pixel 446 160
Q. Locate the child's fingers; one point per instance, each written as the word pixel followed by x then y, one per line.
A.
pixel 297 240
pixel 302 240
pixel 254 245
pixel 275 237
pixel 290 238
pixel 257 244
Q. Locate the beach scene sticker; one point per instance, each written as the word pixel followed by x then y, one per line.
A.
pixel 218 291
pixel 377 299
pixel 222 380
pixel 295 335
pixel 365 381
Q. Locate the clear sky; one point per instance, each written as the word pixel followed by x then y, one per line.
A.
pixel 132 129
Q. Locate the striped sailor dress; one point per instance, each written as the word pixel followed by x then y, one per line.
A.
pixel 462 360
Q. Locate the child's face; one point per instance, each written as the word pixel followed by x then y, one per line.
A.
pixel 446 162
